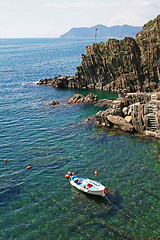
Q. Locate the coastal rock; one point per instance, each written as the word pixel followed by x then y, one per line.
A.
pixel 101 118
pixel 79 98
pixel 120 122
pixel 131 64
pixel 128 119
pixel 143 115
pixel 104 103
pixel 53 103
pixel 91 98
pixel 136 114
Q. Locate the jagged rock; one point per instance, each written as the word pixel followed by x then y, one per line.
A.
pixel 128 119
pixel 103 103
pixel 120 122
pixel 53 103
pixel 143 116
pixel 101 118
pixel 79 98
pixel 116 107
pixel 136 114
pixel 91 98
pixel 131 64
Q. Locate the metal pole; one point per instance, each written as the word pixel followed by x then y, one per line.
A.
pixel 95 34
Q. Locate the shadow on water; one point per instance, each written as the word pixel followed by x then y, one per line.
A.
pixel 9 194
pixel 97 211
pixel 92 201
pixel 113 195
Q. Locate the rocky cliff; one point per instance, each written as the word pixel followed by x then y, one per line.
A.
pixel 131 64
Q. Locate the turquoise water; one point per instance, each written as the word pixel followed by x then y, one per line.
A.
pixel 40 203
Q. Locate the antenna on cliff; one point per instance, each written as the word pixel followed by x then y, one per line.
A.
pixel 96 34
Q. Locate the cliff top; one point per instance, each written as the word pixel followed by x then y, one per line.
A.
pixel 150 24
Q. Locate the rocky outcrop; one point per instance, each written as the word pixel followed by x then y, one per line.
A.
pixel 129 115
pixel 120 122
pixel 53 103
pixel 131 64
pixel 79 98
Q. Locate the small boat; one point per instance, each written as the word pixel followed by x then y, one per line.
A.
pixel 88 186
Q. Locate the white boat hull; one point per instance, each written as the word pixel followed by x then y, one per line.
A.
pixel 88 186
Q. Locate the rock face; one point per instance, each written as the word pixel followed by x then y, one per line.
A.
pixel 131 64
pixel 141 116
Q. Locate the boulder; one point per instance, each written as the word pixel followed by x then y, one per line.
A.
pixel 120 122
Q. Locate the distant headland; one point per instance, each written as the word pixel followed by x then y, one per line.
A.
pixel 102 31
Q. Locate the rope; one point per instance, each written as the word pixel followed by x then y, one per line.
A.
pixel 121 210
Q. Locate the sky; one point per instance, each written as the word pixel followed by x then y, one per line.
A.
pixel 52 18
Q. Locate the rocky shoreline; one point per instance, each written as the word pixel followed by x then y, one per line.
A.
pixel 136 113
pixel 131 64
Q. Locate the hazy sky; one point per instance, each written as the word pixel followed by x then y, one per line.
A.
pixel 51 18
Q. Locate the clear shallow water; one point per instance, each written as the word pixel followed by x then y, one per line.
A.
pixel 40 203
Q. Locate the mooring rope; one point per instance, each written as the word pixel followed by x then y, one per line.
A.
pixel 121 210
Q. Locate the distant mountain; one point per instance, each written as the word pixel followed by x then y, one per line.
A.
pixel 103 32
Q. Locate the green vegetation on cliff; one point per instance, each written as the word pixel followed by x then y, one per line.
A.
pixel 150 23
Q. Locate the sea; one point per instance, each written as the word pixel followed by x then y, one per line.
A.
pixel 39 203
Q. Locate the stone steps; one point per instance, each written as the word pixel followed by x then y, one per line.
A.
pixel 152 125
pixel 152 109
